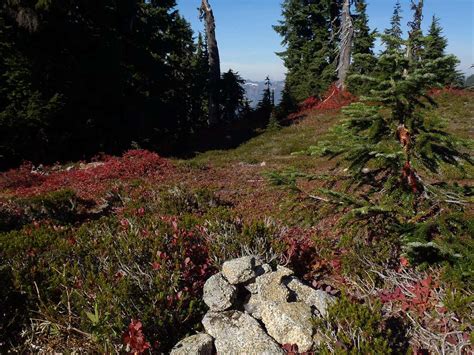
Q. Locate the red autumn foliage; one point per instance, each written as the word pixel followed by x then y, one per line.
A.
pixel 333 99
pixel 416 297
pixel 89 181
pixel 449 90
pixel 134 338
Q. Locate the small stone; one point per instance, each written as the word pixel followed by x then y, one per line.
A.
pixel 238 333
pixel 218 294
pixel 199 344
pixel 289 323
pixel 315 298
pixel 239 270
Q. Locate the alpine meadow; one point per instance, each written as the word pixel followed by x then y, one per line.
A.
pixel 236 177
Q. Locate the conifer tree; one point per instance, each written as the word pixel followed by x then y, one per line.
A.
pixel 434 48
pixel 393 35
pixel 232 96
pixel 308 30
pixel 392 147
pixel 200 84
pixel 364 59
pixel 266 103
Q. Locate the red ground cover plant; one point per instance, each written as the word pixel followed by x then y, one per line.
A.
pixel 449 90
pixel 333 99
pixel 134 338
pixel 416 297
pixel 89 181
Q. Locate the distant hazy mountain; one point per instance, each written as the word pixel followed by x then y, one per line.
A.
pixel 254 90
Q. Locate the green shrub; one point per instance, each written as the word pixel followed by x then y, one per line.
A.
pixel 355 328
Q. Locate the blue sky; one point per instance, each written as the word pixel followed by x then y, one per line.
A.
pixel 247 42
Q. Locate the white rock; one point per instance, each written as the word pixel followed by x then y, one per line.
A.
pixel 199 344
pixel 238 333
pixel 289 323
pixel 218 294
pixel 239 270
pixel 315 298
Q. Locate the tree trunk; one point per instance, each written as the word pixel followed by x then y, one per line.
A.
pixel 214 61
pixel 346 36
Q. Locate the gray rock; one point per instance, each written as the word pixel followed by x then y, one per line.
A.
pixel 238 333
pixel 218 294
pixel 260 270
pixel 315 298
pixel 199 344
pixel 239 270
pixel 289 323
pixel 253 306
pixel 270 287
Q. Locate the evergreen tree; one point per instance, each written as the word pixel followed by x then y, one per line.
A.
pixel 308 30
pixel 434 48
pixel 266 103
pixel 82 77
pixel 392 147
pixel 393 35
pixel 232 96
pixel 364 59
pixel 199 85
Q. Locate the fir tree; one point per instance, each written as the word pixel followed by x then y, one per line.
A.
pixel 200 83
pixel 266 103
pixel 392 146
pixel 364 59
pixel 307 29
pixel 393 35
pixel 232 96
pixel 434 48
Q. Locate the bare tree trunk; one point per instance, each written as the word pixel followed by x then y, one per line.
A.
pixel 346 36
pixel 214 61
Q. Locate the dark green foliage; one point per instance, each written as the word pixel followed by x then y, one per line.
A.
pixel 355 328
pixel 307 29
pixel 232 96
pixel 393 146
pixel 363 58
pixel 79 77
pixel 434 48
pixel 393 35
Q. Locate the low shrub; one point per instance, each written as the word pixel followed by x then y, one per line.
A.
pixel 356 328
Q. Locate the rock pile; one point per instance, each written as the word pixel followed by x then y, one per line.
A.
pixel 254 309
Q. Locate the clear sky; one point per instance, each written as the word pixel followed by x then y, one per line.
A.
pixel 247 42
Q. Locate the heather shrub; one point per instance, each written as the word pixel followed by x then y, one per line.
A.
pixel 93 280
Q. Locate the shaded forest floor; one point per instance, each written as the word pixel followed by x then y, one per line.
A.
pixel 88 246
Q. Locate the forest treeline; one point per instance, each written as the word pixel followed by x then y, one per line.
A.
pixel 82 77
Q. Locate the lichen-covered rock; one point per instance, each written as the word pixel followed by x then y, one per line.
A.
pixel 270 286
pixel 315 298
pixel 199 344
pixel 238 333
pixel 289 323
pixel 239 270
pixel 260 270
pixel 218 294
